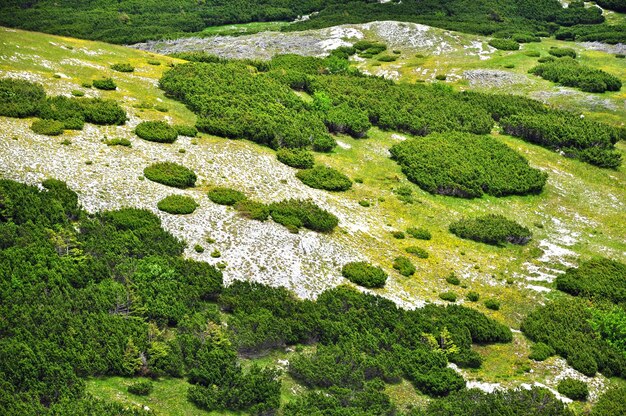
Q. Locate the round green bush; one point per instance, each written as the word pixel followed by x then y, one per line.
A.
pixel 541 352
pixel 171 174
pixel 504 44
pixel 573 389
pixel 561 52
pixel 296 213
pixel 399 235
pixel 473 296
pixel 491 229
pixel 387 58
pixel 323 177
pixel 177 204
pixel 48 127
pixel 118 142
pixel 417 251
pixel 106 84
pixel 448 296
pixel 156 131
pixel 253 210
pixel 141 388
pixel 364 274
pixel 492 304
pixel 611 403
pixel 186 130
pixel 324 144
pixel 226 196
pixel 441 77
pixel 19 98
pixel 123 67
pixel 453 279
pixel 103 112
pixel 419 233
pixel 404 266
pixel 296 158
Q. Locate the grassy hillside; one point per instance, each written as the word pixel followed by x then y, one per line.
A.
pixel 580 213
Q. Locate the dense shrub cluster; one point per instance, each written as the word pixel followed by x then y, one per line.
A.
pixel 404 266
pixel 577 137
pixel 296 158
pixel 253 210
pixel 568 72
pixel 47 127
pixel 417 251
pixel 612 34
pixel 504 44
pixel 156 131
pixel 419 233
pixel 600 278
pixel 106 84
pixel 563 52
pixel 122 67
pixel 118 141
pixel 567 327
pixel 20 98
pixel 141 388
pixel 616 5
pixel 573 388
pixel 466 166
pixel 491 229
pixel 324 177
pixel 177 204
pixel 364 274
pixel 296 213
pixel 612 402
pixel 226 196
pixel 170 174
pixel 185 130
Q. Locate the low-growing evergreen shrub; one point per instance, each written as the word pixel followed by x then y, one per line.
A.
pixel 545 59
pixel 171 174
pixel 296 158
pixel 48 127
pixel 141 388
pixel 453 279
pixel 540 351
pixel 387 58
pixel 297 213
pixel 573 389
pixel 533 54
pixel 525 38
pixel 122 67
pixel 561 52
pixel 504 44
pixel 441 77
pixel 448 296
pixel 599 278
pixel 253 210
pixel 448 164
pixel 419 233
pixel 364 274
pixel 226 196
pixel 20 98
pixel 118 142
pixel 404 266
pixel 492 304
pixel 106 84
pixel 156 131
pixel 417 251
pixel 177 204
pixel 568 72
pixel 491 229
pixel 323 177
pixel 103 112
pixel 473 296
pixel 186 130
pixel 612 402
pixel 78 93
pixel 399 235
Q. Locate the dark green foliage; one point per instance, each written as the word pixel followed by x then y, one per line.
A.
pixel 141 388
pixel 226 196
pixel 103 112
pixel 186 130
pixel 296 158
pixel 616 5
pixel 69 111
pixel 253 210
pixel 545 59
pixel 574 389
pixel 492 304
pixel 441 77
pixel 473 296
pixel 156 131
pixel 106 84
pixel 572 134
pixel 118 142
pixel 419 233
pixel 448 296
pixel 612 402
pixel 404 266
pixel 19 98
pixel 561 52
pixel 568 72
pixel 454 280
pixel 519 402
pixel 540 351
pixel 417 251
pixel 323 177
pixel 466 166
pixel 611 34
pixel 296 213
pixel 177 204
pixel 346 120
pixel 387 58
pixel 48 127
pixel 600 278
pixel 567 326
pixel 504 44
pixel 491 229
pixel 170 174
pixel 399 235
pixel 577 14
pixel 364 274
pixel 122 67
pixel 525 38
